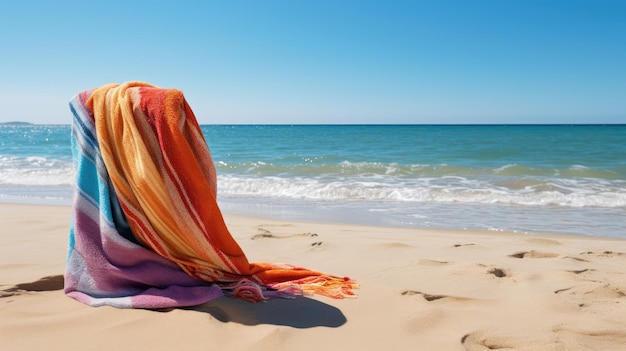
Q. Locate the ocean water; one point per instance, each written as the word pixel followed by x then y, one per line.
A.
pixel 559 179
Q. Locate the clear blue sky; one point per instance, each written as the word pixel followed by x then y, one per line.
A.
pixel 325 61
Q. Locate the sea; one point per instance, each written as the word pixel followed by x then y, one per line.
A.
pixel 554 179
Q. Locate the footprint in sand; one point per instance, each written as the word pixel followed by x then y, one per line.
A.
pixel 566 339
pixel 50 283
pixel 429 262
pixel 481 341
pixel 533 254
pixel 264 233
pixel 589 293
pixel 427 297
pixel 498 272
pixel 601 339
pixel 462 245
pixel 597 254
pixel 576 258
pixel 581 271
pixel 604 254
pixel 495 271
pixel 433 297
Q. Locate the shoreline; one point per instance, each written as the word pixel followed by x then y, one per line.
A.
pixel 345 215
pixel 439 289
pixel 236 217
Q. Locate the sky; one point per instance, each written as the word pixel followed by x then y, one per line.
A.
pixel 324 61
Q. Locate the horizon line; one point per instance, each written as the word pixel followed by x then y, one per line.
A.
pixel 23 123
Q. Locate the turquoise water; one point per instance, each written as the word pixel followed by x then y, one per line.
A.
pixel 539 178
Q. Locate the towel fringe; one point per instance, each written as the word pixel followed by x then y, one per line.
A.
pixel 326 285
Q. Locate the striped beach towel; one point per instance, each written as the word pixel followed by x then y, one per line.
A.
pixel 146 230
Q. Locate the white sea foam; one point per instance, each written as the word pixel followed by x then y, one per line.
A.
pixel 449 189
pixel 35 170
pixel 367 181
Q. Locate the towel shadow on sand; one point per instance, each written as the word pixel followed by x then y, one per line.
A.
pixel 301 312
pixel 51 283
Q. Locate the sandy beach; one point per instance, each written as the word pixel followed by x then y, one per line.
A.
pixel 420 290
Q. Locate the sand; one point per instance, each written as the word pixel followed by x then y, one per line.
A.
pixel 420 290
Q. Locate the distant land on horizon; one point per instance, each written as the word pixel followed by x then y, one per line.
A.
pixel 16 123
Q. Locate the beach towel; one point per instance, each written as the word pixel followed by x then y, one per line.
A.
pixel 146 230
